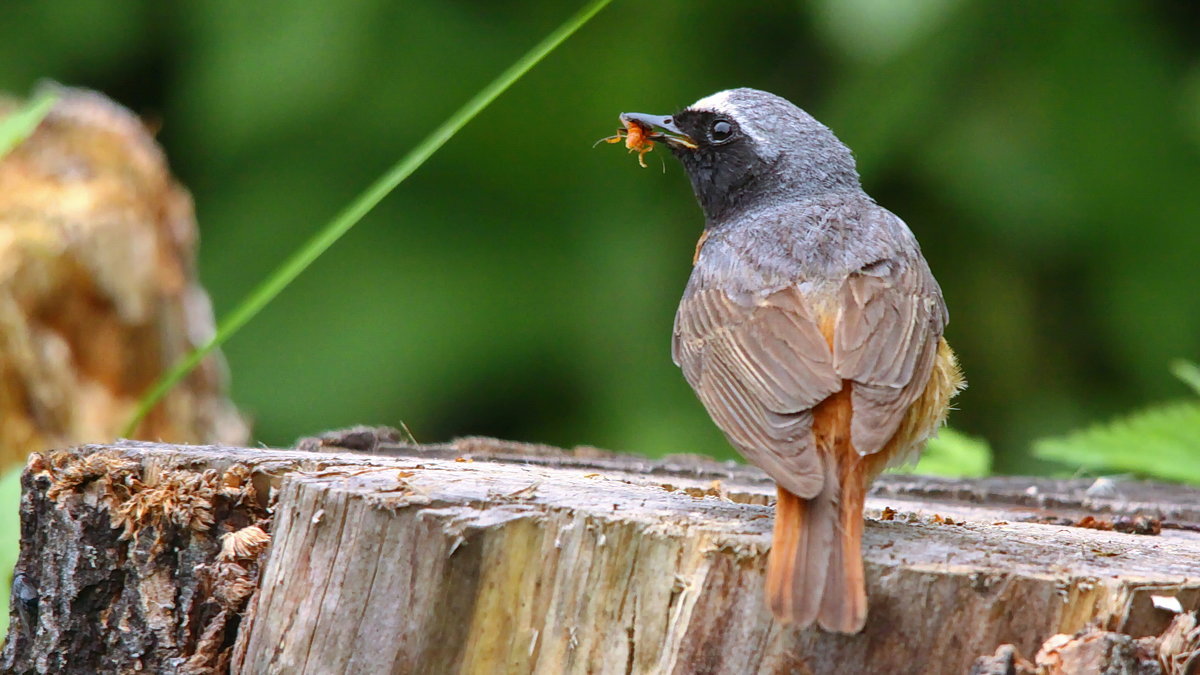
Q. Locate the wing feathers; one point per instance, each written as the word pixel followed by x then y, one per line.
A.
pixel 761 363
pixel 777 443
pixel 886 342
pixel 759 370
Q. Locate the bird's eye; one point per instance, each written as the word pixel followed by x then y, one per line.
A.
pixel 721 131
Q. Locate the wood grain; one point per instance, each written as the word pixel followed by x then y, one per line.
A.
pixel 410 560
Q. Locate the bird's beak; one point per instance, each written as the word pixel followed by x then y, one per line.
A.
pixel 662 129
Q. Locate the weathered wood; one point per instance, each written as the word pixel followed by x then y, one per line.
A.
pixel 527 559
pixel 121 568
pixel 1094 650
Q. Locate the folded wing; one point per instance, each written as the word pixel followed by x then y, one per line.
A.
pixel 759 370
pixel 761 367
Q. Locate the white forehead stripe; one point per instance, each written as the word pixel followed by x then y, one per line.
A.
pixel 718 102
pixel 722 104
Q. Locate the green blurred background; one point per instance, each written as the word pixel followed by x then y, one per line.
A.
pixel 523 284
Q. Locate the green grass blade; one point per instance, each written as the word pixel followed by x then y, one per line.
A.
pixel 301 259
pixel 18 126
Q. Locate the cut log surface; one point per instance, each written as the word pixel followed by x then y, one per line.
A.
pixel 489 557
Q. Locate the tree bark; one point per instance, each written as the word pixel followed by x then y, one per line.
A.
pixel 483 557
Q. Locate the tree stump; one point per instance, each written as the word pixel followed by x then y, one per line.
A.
pixel 488 557
pixel 99 293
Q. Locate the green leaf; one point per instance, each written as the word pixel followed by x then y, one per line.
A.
pixel 261 296
pixel 955 454
pixel 17 127
pixel 1160 442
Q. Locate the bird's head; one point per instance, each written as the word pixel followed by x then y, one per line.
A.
pixel 743 148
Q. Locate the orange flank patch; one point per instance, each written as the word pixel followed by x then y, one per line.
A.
pixel 927 413
pixel 699 245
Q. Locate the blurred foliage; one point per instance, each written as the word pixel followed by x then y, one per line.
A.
pixel 523 285
pixel 16 127
pixel 956 455
pixel 10 535
pixel 1162 441
pixel 364 203
pixel 1188 373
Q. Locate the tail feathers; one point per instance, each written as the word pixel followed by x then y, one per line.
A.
pixel 799 561
pixel 844 604
pixel 815 571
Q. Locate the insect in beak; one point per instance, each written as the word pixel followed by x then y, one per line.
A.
pixel 639 134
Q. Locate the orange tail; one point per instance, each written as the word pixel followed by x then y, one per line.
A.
pixel 815 570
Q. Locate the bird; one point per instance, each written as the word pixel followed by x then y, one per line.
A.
pixel 811 330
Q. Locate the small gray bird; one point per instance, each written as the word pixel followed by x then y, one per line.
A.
pixel 811 330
